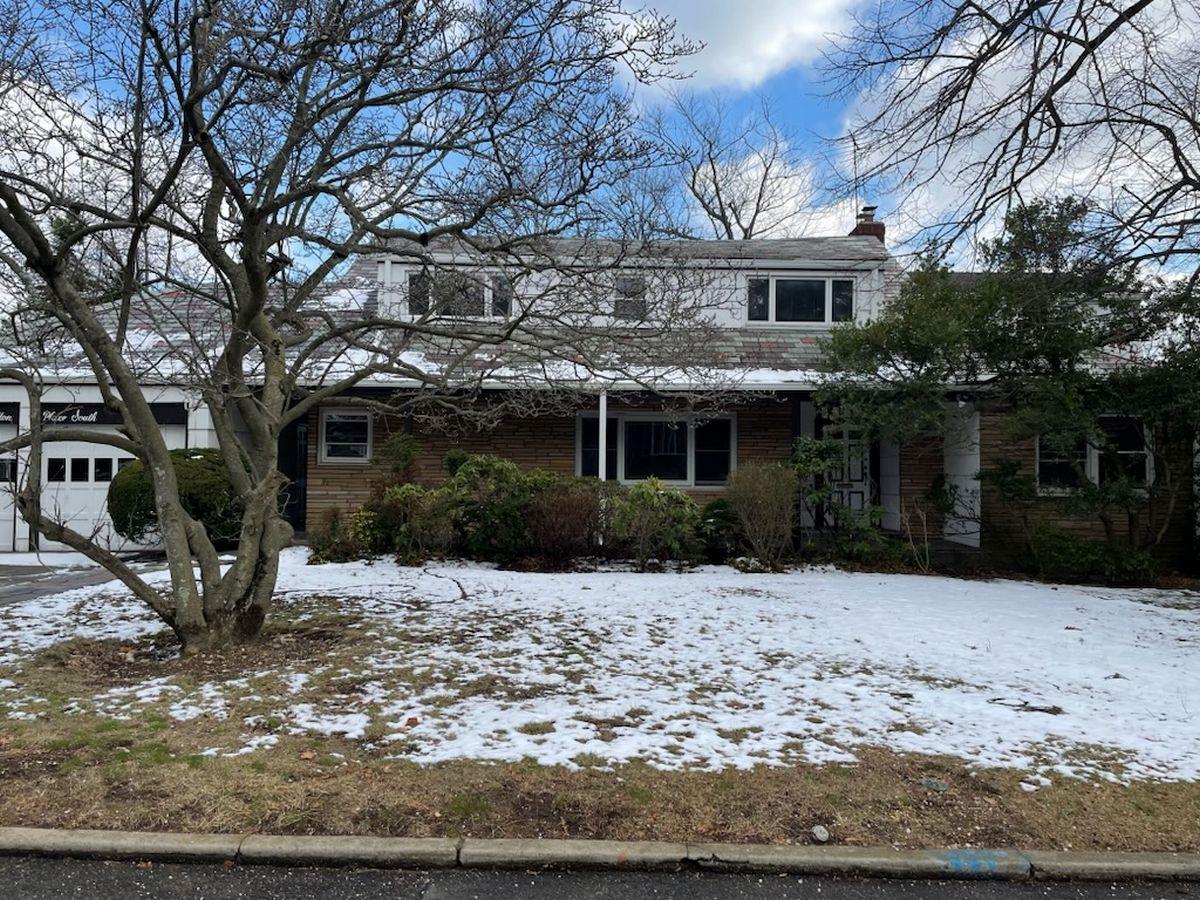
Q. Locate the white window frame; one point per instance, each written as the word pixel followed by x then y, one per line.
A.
pixel 1092 466
pixel 396 276
pixel 323 458
pixel 772 277
pixel 689 422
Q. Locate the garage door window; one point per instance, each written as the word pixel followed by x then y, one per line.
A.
pixel 79 469
pixel 104 469
pixel 56 468
pixel 345 435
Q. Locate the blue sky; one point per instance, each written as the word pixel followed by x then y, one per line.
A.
pixel 770 47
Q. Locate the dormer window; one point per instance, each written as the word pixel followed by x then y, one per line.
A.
pixel 788 300
pixel 630 302
pixel 458 295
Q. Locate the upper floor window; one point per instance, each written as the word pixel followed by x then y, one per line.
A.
pixel 630 302
pixel 801 300
pixel 458 295
pixel 1062 465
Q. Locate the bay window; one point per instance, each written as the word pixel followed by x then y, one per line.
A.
pixel 1125 454
pixel 1061 465
pixel 795 300
pixel 646 445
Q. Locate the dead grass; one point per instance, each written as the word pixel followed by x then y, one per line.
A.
pixel 147 772
pixel 146 775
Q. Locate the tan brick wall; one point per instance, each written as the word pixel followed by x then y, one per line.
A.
pixel 920 465
pixel 764 433
pixel 1003 534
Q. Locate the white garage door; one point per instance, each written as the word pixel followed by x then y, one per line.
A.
pixel 76 475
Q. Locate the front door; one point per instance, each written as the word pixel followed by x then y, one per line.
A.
pixel 293 462
pixel 851 485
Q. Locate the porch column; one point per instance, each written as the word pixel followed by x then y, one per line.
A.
pixel 602 462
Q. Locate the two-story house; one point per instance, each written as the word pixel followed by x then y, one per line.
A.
pixel 745 394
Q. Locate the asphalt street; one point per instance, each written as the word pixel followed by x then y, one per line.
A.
pixel 43 879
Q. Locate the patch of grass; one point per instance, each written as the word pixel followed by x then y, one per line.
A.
pixel 464 808
pixel 737 735
pixel 879 800
pixel 536 728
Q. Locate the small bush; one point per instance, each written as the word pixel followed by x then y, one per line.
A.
pixel 720 532
pixel 330 541
pixel 1061 556
pixel 395 457
pixel 420 522
pixel 563 520
pixel 657 522
pixel 491 496
pixel 764 497
pixel 204 490
pixel 454 459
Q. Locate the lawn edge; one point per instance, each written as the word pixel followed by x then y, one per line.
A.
pixel 480 853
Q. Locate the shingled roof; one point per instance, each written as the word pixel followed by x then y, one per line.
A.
pixel 849 250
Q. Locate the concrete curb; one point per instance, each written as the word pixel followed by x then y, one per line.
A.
pixel 862 861
pixel 426 853
pixel 345 850
pixel 522 854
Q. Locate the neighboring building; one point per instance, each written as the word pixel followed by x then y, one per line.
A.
pixel 747 396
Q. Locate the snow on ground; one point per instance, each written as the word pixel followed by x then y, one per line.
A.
pixel 711 668
pixel 51 560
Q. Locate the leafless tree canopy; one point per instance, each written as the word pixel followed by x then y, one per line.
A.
pixel 209 171
pixel 726 173
pixel 971 105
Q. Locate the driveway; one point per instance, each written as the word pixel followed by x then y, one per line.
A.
pixel 42 879
pixel 53 573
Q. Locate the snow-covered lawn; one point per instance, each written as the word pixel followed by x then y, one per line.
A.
pixel 709 669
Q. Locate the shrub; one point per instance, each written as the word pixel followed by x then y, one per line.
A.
pixel 204 489
pixel 491 495
pixel 657 522
pixel 764 497
pixel 563 519
pixel 395 457
pixel 720 532
pixel 454 459
pixel 1062 556
pixel 331 540
pixel 420 522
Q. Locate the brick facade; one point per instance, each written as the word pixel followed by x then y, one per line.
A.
pixel 764 433
pixel 920 466
pixel 1003 534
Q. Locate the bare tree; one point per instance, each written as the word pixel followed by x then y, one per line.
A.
pixel 206 172
pixel 970 106
pixel 727 173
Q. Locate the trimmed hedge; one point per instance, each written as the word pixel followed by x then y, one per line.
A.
pixel 204 490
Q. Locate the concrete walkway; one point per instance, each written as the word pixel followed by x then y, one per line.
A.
pixel 42 879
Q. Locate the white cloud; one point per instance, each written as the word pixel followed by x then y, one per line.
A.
pixel 748 42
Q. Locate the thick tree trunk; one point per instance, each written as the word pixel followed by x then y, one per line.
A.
pixel 232 605
pixel 236 607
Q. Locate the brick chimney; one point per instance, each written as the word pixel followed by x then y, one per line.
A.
pixel 868 227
